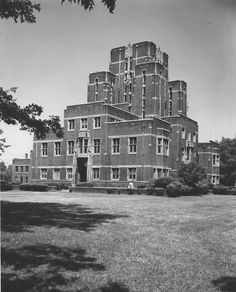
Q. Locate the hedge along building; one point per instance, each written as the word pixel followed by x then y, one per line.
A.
pixel 130 128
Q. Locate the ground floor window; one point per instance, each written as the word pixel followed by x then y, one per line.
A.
pixel 160 172
pixel 26 179
pixel 56 173
pixel 96 173
pixel 43 173
pixel 132 173
pixel 115 174
pixel 215 179
pixel 69 173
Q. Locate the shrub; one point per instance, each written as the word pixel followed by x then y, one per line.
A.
pixel 174 189
pixel 201 189
pixel 111 191
pixel 131 191
pixel 191 173
pixel 34 187
pixel 232 191
pixel 161 182
pixel 5 186
pixel 85 184
pixel 222 190
pixel 156 192
pixel 186 190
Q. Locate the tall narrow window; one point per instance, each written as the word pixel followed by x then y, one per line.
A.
pixel 16 168
pixel 97 146
pixel 85 145
pixel 44 149
pixel 144 78
pixel 132 145
pixel 115 173
pixel 96 89
pixel 183 133
pixel 70 147
pixel 166 147
pixel 43 173
pixel 69 175
pixel 170 101
pixel 71 125
pixel 57 148
pixel 56 173
pixel 116 145
pixel 132 173
pixel 97 122
pixel 22 168
pixel 96 173
pixel 126 64
pixel 159 145
pixel 84 123
pixel 26 168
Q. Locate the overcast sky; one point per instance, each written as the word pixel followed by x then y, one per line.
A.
pixel 50 61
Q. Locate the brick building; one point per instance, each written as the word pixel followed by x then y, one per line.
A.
pixel 133 126
pixel 209 158
pixel 21 169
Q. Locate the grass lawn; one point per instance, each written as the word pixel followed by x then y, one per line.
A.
pixel 97 242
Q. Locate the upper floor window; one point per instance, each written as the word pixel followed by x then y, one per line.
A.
pixel 16 168
pixel 144 78
pixel 44 149
pixel 70 147
pixel 189 135
pixel 132 144
pixel 183 133
pixel 26 168
pixel 116 145
pixel 163 146
pixel 215 160
pixel 166 147
pixel 71 125
pixel 57 148
pixel 194 137
pixel 96 89
pixel 84 123
pixel 43 173
pixel 22 168
pixel 97 122
pixel 97 146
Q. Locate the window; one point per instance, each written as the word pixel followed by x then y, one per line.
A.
pixel 132 173
pixel 97 146
pixel 21 179
pixel 183 133
pixel 162 146
pixel 56 173
pixel 97 122
pixel 144 77
pixel 16 168
pixel 70 147
pixel 96 89
pixel 44 149
pixel 194 137
pixel 22 168
pixel 84 123
pixel 115 173
pixel 69 174
pixel 189 136
pixel 85 145
pixel 57 148
pixel 116 145
pixel 43 173
pixel 166 147
pixel 26 168
pixel 215 160
pixel 126 64
pixel 71 125
pixel 96 173
pixel 165 172
pixel 132 145
pixel 26 179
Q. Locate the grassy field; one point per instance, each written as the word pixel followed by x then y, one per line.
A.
pixel 96 242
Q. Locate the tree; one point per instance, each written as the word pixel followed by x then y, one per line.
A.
pixel 24 10
pixel 27 117
pixel 191 173
pixel 6 172
pixel 3 144
pixel 228 161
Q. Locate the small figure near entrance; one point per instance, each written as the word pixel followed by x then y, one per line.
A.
pixel 131 184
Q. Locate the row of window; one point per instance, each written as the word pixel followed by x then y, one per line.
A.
pixel 84 123
pixel 162 146
pixel 22 179
pixel 21 168
pixel 190 137
pixel 115 173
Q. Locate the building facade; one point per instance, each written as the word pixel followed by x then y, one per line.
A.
pixel 209 158
pixel 21 170
pixel 133 126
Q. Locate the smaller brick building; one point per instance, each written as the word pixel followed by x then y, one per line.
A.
pixel 209 158
pixel 21 170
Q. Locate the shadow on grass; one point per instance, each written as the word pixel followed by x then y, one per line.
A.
pixel 114 287
pixel 19 217
pixel 43 267
pixel 225 284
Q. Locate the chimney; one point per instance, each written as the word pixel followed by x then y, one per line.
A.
pixel 26 155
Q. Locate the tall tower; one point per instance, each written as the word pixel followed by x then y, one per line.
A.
pixel 177 98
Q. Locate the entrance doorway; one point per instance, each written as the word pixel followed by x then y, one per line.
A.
pixel 82 169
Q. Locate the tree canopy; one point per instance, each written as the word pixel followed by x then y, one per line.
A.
pixel 191 173
pixel 27 117
pixel 228 161
pixel 24 10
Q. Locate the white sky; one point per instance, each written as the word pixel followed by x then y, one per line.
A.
pixel 50 61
